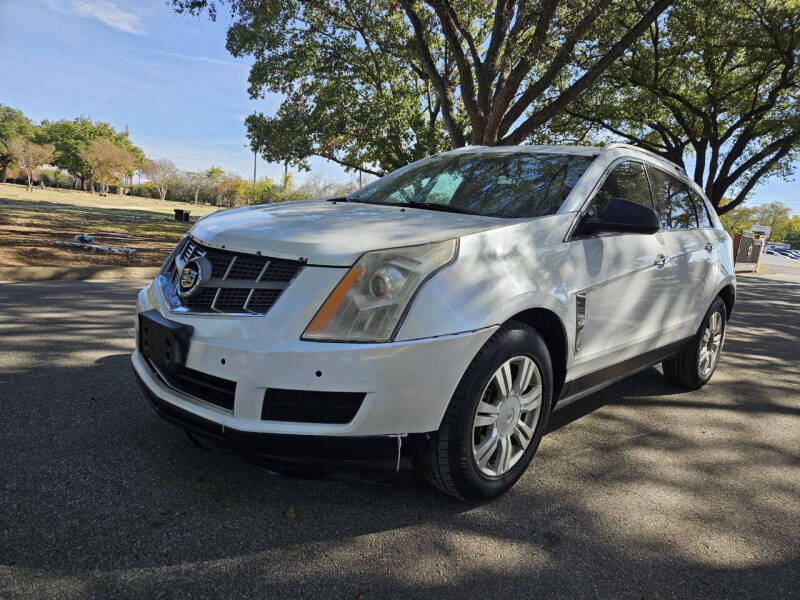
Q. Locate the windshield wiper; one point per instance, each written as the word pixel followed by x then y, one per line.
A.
pixel 338 199
pixel 439 207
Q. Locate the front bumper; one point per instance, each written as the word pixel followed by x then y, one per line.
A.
pixel 407 385
pixel 291 452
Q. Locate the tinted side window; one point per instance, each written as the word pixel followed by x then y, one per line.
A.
pixel 627 181
pixel 673 201
pixel 703 219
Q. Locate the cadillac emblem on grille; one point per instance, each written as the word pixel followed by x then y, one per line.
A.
pixel 194 274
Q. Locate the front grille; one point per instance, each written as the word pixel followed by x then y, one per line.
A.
pixel 208 388
pixel 240 283
pixel 304 406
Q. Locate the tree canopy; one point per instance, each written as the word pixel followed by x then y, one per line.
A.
pixel 108 160
pixel 13 124
pixel 375 84
pixel 711 82
pixel 29 155
pixel 784 227
pixel 72 139
pixel 162 173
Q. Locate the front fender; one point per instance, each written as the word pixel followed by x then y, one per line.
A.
pixel 497 275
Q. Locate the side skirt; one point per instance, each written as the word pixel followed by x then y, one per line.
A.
pixel 585 385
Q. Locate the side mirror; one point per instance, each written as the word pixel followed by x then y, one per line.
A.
pixel 622 216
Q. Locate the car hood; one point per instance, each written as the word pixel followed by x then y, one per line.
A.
pixel 331 233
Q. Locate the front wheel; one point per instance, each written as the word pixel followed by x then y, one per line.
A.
pixel 496 418
pixel 694 365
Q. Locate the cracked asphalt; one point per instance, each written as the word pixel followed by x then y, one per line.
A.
pixel 642 491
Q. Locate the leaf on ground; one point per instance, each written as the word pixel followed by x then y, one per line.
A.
pixel 291 512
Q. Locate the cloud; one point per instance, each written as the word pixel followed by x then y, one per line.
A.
pixel 108 13
pixel 205 59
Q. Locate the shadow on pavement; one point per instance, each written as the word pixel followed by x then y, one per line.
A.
pixel 640 491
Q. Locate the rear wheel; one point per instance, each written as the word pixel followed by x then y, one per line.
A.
pixel 495 419
pixel 694 365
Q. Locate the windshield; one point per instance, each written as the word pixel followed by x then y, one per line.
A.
pixel 513 184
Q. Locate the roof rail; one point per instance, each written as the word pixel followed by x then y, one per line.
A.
pixel 653 154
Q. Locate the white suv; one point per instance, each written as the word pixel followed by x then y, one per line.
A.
pixel 438 315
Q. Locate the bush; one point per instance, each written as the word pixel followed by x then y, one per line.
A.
pixel 57 178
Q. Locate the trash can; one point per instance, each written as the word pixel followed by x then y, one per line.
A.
pixel 179 214
pixel 186 214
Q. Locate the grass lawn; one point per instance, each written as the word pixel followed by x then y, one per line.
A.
pixel 31 223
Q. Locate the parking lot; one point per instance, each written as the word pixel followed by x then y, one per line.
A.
pixel 640 491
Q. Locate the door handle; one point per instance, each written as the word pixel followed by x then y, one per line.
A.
pixel 709 246
pixel 660 260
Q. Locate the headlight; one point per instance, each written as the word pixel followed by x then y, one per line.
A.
pixel 371 299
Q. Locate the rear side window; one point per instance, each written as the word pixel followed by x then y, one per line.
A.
pixel 673 201
pixel 627 181
pixel 703 218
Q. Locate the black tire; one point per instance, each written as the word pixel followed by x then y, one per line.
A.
pixel 683 369
pixel 445 458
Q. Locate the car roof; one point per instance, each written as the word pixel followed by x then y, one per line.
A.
pixel 531 149
pixel 613 148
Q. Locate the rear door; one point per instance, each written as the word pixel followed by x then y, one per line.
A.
pixel 628 295
pixel 691 239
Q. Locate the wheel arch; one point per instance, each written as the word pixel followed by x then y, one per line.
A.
pixel 728 295
pixel 554 334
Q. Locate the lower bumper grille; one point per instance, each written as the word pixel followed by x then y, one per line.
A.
pixel 208 388
pixel 304 406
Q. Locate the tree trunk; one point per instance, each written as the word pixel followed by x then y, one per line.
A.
pixel 196 192
pixel 162 191
pixel 3 171
pixel 30 182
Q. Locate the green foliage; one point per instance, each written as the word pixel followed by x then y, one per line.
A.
pixel 57 178
pixel 713 79
pixel 214 173
pixel 776 215
pixel 72 138
pixel 29 156
pixel 376 84
pixel 12 124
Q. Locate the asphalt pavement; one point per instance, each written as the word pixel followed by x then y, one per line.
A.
pixel 642 491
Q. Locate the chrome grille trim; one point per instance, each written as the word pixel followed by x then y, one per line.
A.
pixel 233 289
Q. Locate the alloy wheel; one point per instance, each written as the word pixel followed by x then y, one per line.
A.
pixel 506 416
pixel 710 344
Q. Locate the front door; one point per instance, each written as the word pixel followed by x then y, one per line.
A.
pixel 629 277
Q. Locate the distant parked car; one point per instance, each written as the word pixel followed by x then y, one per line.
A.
pixel 793 254
pixel 436 316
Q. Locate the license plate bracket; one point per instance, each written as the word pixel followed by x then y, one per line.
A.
pixel 163 341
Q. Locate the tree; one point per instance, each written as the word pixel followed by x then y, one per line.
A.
pixel 316 186
pixel 769 214
pixel 713 79
pixel 792 233
pixel 375 84
pixel 738 219
pixel 214 173
pixel 29 156
pixel 229 187
pixel 197 182
pixel 107 161
pixel 13 124
pixel 162 173
pixel 72 138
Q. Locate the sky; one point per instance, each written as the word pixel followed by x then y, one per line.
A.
pixel 136 64
pixel 165 77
